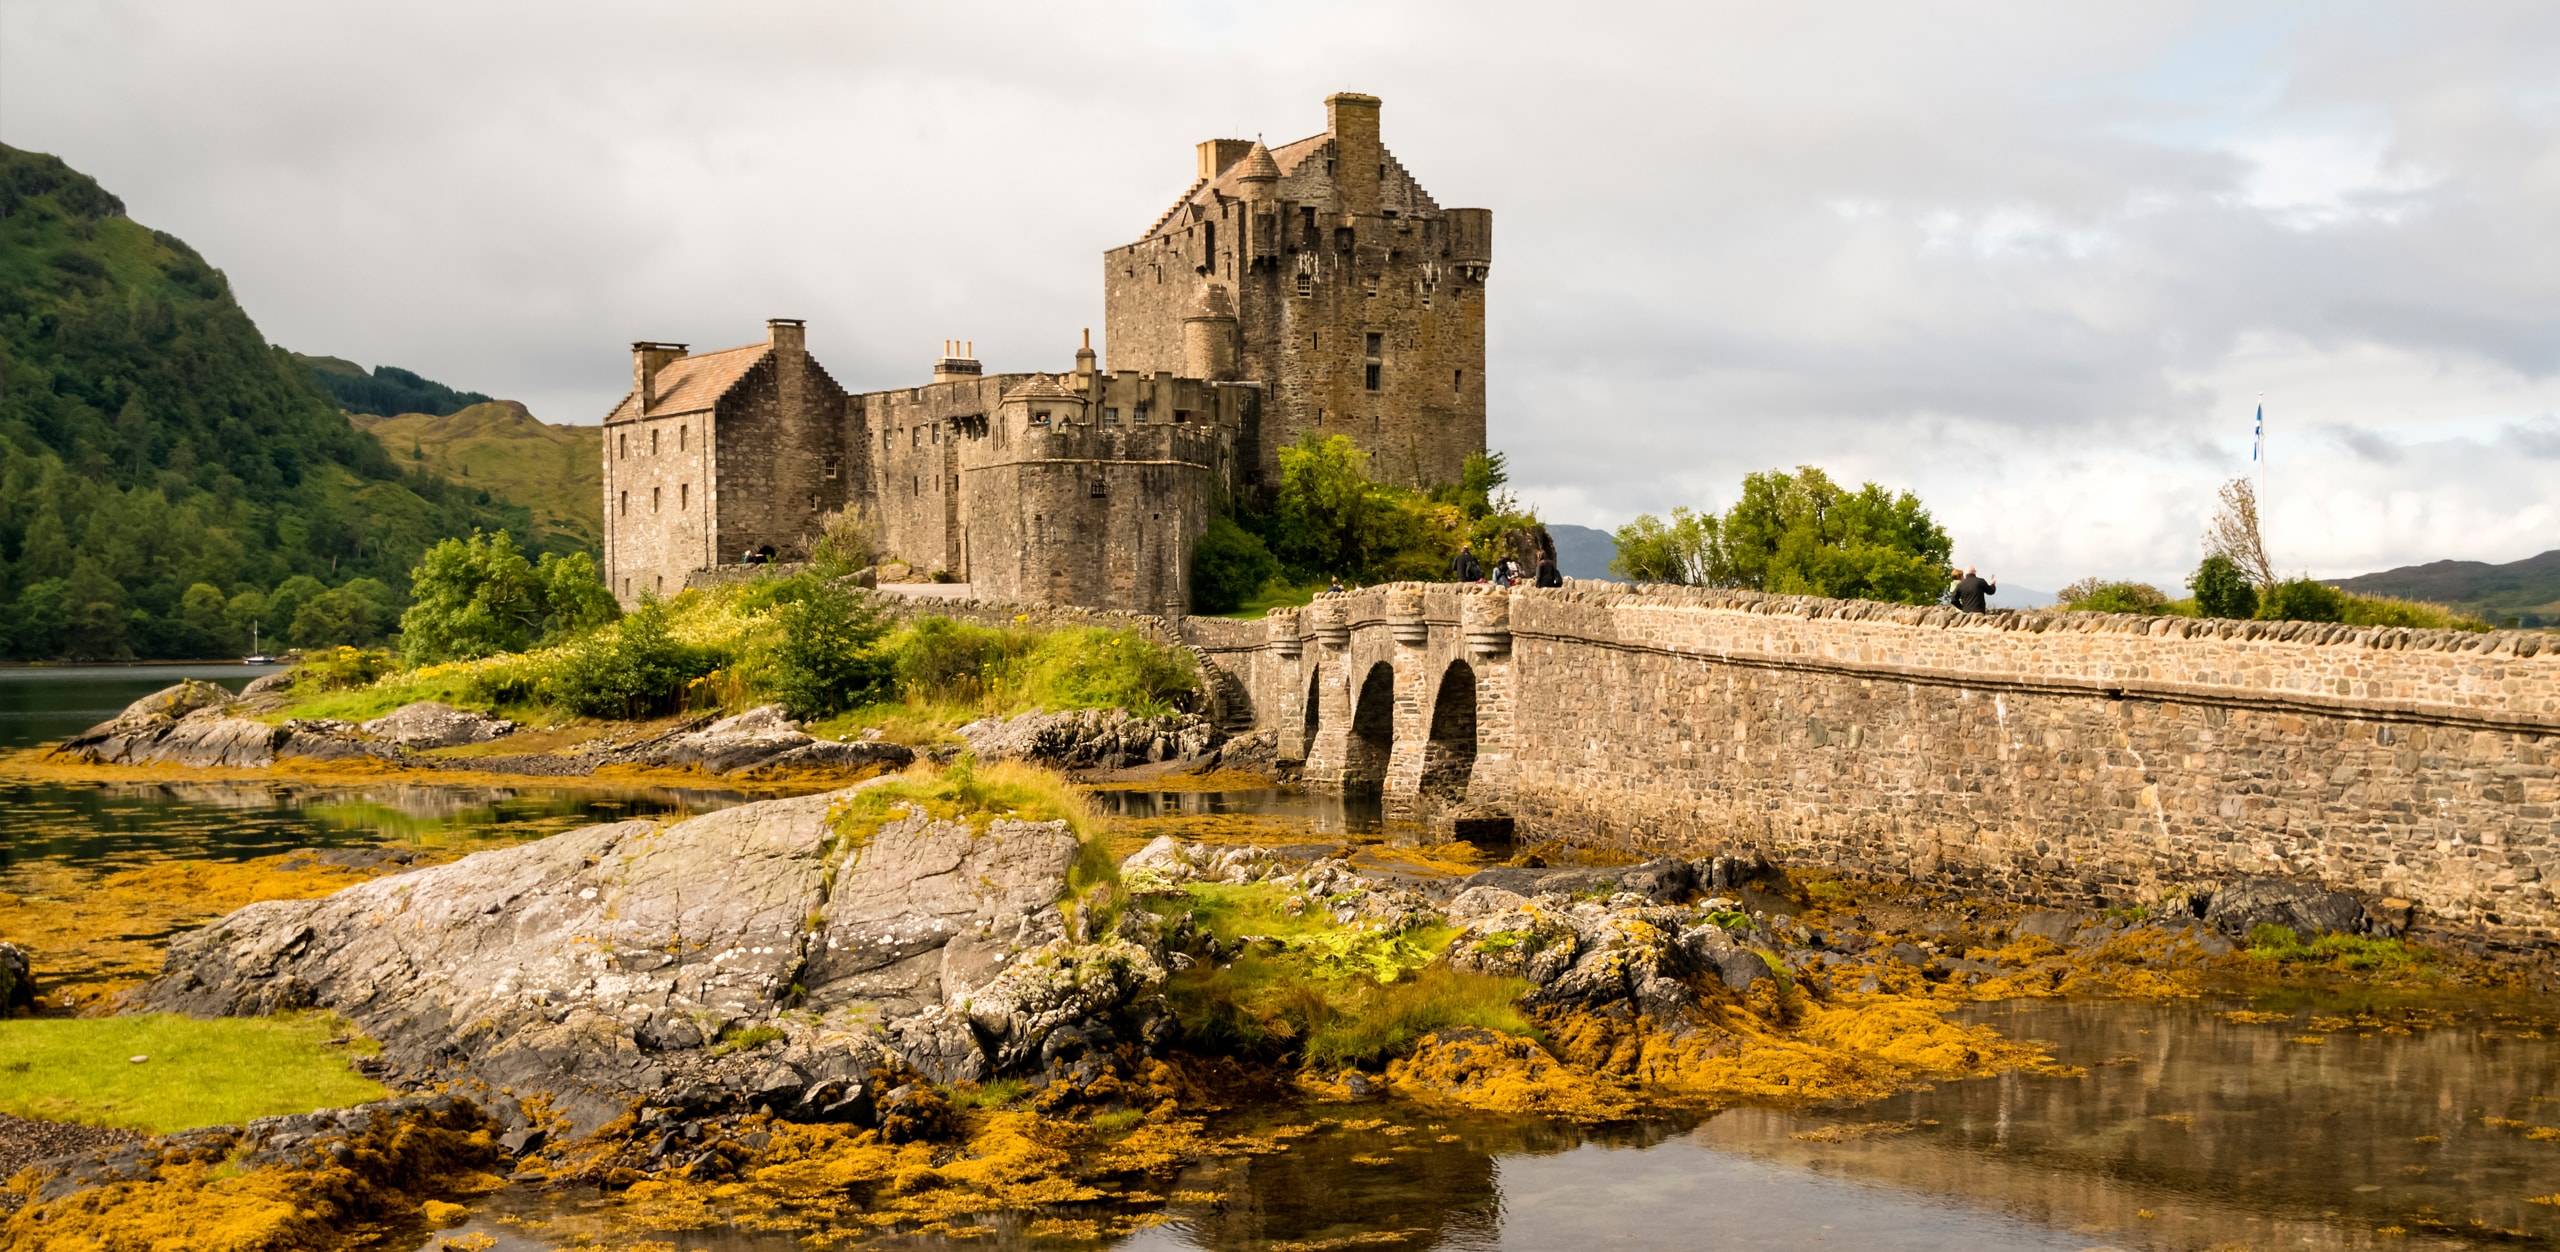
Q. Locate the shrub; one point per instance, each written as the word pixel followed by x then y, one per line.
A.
pixel 939 659
pixel 2092 596
pixel 1229 566
pixel 824 657
pixel 2303 600
pixel 2223 589
pixel 637 669
pixel 1090 667
pixel 846 542
pixel 342 669
pixel 2392 611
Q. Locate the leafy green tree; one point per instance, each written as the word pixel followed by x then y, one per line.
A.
pixel 1479 489
pixel 2223 589
pixel 1682 550
pixel 574 597
pixel 1799 534
pixel 825 659
pixel 2303 600
pixel 1229 567
pixel 479 597
pixel 1326 517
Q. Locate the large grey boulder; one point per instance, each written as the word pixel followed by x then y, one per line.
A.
pixel 1092 738
pixel 764 737
pixel 2305 907
pixel 430 724
pixel 149 730
pixel 622 962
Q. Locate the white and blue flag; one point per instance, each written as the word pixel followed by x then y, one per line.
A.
pixel 2258 435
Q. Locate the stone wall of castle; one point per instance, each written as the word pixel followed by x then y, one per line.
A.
pixel 2057 757
pixel 658 524
pixel 914 440
pixel 780 459
pixel 1094 515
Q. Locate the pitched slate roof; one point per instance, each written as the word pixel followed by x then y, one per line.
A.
pixel 693 384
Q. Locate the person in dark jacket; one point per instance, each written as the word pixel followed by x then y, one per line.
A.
pixel 1463 567
pixel 1971 590
pixel 1548 574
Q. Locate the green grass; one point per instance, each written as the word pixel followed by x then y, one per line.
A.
pixel 1279 595
pixel 994 1093
pixel 201 1073
pixel 2347 952
pixel 556 471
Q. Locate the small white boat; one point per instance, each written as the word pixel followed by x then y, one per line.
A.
pixel 255 657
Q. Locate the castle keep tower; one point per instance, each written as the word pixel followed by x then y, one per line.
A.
pixel 1324 272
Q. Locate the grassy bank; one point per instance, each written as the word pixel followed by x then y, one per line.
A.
pixel 160 1072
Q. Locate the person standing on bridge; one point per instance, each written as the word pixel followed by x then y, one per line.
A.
pixel 1463 567
pixel 1971 591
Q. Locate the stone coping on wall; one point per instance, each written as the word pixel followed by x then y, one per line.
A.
pixel 2506 681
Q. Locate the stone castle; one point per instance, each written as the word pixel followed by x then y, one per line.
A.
pixel 1311 289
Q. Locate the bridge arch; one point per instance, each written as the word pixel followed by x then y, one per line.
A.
pixel 1449 753
pixel 1371 743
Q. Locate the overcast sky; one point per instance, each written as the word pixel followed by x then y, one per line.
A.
pixel 2033 261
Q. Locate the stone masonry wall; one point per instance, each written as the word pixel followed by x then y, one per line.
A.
pixel 2066 757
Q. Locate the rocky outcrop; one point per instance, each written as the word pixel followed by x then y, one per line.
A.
pixel 2306 908
pixel 774 954
pixel 194 724
pixel 1092 738
pixel 429 724
pixel 765 737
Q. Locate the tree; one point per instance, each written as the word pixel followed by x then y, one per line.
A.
pixel 1327 513
pixel 2092 595
pixel 1229 567
pixel 2233 534
pixel 2222 590
pixel 1800 534
pixel 825 659
pixel 2303 600
pixel 1680 551
pixel 479 597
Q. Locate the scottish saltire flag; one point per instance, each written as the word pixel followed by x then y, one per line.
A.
pixel 2258 436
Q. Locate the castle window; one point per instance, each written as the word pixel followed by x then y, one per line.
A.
pixel 1209 245
pixel 937 434
pixel 1342 238
pixel 1375 341
pixel 1369 287
pixel 626 502
pixel 915 484
pixel 1457 380
pixel 653 442
pixel 1372 374
pixel 622 443
pixel 1099 490
pixel 662 583
pixel 653 499
pixel 915 436
pixel 1306 283
pixel 1139 414
pixel 1110 417
pixel 680 438
pixel 684 496
pixel 835 464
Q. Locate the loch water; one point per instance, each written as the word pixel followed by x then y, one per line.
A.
pixel 2363 1121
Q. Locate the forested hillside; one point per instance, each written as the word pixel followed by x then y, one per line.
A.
pixel 167 478
pixel 2518 593
pixel 386 391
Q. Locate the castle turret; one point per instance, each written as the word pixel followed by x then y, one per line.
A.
pixel 1209 334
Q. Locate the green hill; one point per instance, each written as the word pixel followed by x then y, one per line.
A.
pixel 2518 593
pixel 168 478
pixel 500 447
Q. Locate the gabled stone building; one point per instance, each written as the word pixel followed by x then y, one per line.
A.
pixel 1316 288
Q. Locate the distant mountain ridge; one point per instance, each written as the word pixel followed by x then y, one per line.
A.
pixel 387 391
pixel 2521 593
pixel 500 447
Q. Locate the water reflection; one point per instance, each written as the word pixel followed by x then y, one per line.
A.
pixel 1316 814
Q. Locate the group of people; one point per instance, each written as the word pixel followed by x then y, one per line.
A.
pixel 1506 572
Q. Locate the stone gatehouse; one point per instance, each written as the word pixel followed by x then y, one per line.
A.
pixel 1315 288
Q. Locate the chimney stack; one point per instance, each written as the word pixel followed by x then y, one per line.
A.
pixel 647 358
pixel 958 361
pixel 788 336
pixel 1358 156
pixel 1217 154
pixel 1084 355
